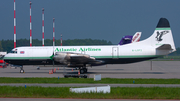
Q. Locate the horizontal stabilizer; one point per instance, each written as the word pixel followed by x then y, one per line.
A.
pixel 165 47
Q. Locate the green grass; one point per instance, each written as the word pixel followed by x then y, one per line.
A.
pixel 116 93
pixel 88 80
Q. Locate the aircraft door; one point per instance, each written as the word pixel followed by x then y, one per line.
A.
pixel 115 52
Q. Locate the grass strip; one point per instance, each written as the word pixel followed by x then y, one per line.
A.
pixel 88 80
pixel 116 93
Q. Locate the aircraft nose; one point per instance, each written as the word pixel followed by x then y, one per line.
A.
pixel 2 57
pixel 5 58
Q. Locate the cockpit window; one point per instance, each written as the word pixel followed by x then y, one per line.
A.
pixel 13 51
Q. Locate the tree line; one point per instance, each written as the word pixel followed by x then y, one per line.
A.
pixel 8 45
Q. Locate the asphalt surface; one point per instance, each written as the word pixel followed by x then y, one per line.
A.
pixel 159 69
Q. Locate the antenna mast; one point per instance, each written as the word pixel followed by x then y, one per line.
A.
pixel 43 27
pixel 14 24
pixel 30 26
pixel 53 31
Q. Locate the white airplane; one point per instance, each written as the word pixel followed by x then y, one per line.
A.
pixel 160 43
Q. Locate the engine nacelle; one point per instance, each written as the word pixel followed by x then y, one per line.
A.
pixel 76 59
pixel 61 57
pixel 65 57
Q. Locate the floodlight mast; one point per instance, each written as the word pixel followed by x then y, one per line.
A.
pixel 14 24
pixel 42 26
pixel 30 25
pixel 53 31
pixel 61 39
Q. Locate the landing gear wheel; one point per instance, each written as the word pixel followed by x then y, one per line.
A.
pixel 82 71
pixel 38 68
pixel 85 70
pixel 21 71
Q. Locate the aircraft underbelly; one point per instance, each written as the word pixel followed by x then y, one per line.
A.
pixel 49 61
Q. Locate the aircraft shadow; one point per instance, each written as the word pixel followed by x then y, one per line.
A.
pixel 115 72
pixel 91 72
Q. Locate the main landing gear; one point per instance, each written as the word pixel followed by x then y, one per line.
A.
pixel 22 70
pixel 83 70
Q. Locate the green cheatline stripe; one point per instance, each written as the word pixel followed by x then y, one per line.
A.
pixel 136 56
pixel 27 58
pixel 163 28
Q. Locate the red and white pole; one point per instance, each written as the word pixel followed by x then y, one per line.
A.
pixel 43 27
pixel 30 26
pixel 61 39
pixel 14 24
pixel 53 32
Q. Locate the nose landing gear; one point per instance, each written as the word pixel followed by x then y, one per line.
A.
pixel 22 70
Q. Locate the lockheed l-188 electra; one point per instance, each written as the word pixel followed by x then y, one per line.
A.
pixel 160 43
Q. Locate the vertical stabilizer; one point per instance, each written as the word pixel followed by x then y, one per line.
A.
pixel 162 35
pixel 136 37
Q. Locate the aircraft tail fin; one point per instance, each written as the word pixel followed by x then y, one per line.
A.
pixel 125 40
pixel 136 37
pixel 130 39
pixel 162 37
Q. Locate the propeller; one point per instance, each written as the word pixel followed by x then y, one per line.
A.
pixel 52 58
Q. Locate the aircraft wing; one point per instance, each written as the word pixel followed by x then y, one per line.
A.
pixel 75 59
pixel 80 58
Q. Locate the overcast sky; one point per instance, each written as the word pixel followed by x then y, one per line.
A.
pixel 96 19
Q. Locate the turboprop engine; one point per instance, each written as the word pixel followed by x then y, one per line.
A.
pixel 70 58
pixel 76 59
pixel 60 57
